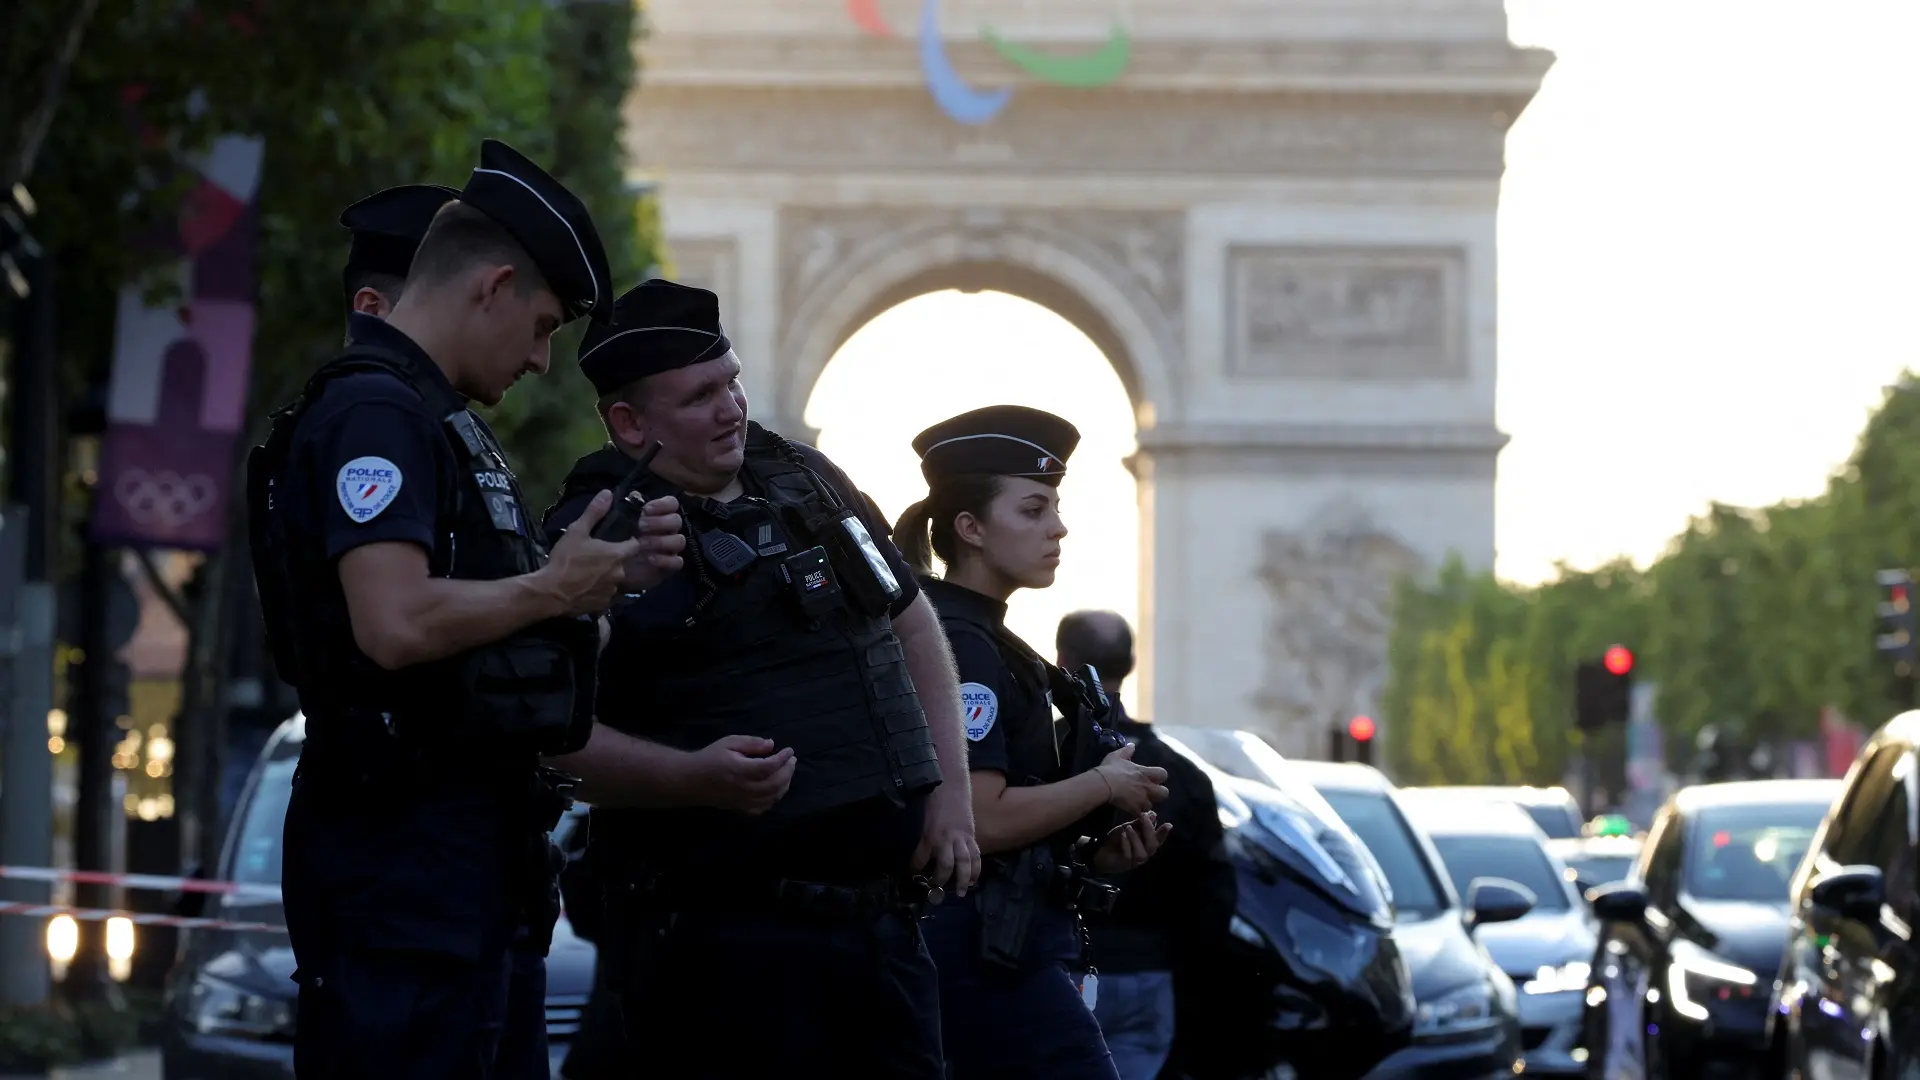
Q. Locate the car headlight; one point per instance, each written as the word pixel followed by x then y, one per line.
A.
pixel 1469 1008
pixel 1696 977
pixel 1570 977
pixel 215 1007
pixel 1332 950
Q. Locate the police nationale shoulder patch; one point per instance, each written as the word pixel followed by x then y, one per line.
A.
pixel 367 486
pixel 980 707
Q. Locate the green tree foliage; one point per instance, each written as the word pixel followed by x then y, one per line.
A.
pixel 1753 620
pixel 349 99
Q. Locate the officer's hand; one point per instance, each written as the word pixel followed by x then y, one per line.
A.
pixel 661 543
pixel 1130 846
pixel 744 773
pixel 949 851
pixel 1131 788
pixel 585 573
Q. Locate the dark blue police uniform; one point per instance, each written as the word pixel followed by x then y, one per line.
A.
pixel 785 943
pixel 1012 1006
pixel 416 853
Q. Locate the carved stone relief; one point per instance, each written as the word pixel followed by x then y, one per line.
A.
pixel 1116 132
pixel 1346 313
pixel 1333 589
pixel 708 263
pixel 1141 250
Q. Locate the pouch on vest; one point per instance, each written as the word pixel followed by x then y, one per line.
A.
pixel 535 687
pixel 272 576
pixel 869 582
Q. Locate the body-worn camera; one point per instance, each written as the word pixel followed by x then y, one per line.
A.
pixel 809 576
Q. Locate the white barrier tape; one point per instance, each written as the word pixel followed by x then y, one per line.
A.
pixel 138 918
pixel 140 881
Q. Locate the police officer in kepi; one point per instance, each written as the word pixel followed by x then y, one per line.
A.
pixel 438 645
pixel 785 941
pixel 387 228
pixel 1057 803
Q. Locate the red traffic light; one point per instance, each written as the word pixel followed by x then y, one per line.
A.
pixel 1361 728
pixel 1619 660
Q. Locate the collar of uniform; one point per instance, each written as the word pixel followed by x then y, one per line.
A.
pixel 958 601
pixel 372 330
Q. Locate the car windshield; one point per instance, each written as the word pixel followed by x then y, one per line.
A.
pixel 1599 869
pixel 1517 858
pixel 256 857
pixel 1554 819
pixel 1749 852
pixel 1373 818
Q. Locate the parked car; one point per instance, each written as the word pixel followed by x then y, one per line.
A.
pixel 230 995
pixel 1848 1002
pixel 1467 1022
pixel 1551 808
pixel 1593 861
pixel 1691 941
pixel 1547 953
pixel 1308 975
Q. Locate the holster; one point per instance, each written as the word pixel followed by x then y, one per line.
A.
pixel 548 795
pixel 1010 895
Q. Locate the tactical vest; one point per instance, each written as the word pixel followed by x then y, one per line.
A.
pixel 1060 751
pixel 530 692
pixel 753 659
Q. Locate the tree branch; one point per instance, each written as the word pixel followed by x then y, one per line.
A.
pixel 33 131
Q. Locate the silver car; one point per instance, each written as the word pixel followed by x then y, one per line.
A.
pixel 1548 951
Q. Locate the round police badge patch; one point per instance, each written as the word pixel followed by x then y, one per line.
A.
pixel 979 707
pixel 367 486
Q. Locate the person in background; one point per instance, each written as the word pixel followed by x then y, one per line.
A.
pixel 1186 893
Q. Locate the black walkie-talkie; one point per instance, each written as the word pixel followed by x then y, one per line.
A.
pixel 624 515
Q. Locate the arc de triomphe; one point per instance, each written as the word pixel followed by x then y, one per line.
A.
pixel 1278 223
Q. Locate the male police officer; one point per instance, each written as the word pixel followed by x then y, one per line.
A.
pixel 793 943
pixel 1184 895
pixel 435 645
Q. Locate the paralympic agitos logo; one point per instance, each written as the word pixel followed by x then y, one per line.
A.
pixel 972 105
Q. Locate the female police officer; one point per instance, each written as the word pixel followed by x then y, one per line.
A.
pixel 992 514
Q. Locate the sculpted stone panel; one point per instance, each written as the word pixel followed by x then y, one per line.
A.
pixel 1333 589
pixel 707 263
pixel 1346 313
pixel 1059 132
pixel 1142 250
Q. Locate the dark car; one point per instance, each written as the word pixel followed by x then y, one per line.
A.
pixel 1467 1022
pixel 1307 976
pixel 230 995
pixel 1849 1005
pixel 1691 941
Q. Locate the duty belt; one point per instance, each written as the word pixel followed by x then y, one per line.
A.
pixel 830 901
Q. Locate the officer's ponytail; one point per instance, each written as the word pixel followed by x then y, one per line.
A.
pixel 925 529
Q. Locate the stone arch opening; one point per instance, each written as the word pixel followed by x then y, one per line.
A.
pixel 896 374
pixel 1110 282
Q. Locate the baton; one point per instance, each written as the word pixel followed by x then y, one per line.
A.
pixel 624 515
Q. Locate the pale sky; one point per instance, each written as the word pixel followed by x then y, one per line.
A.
pixel 1706 278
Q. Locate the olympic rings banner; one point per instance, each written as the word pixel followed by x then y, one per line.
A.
pixel 177 399
pixel 975 105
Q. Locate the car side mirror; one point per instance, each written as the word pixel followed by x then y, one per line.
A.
pixel 1853 892
pixel 1497 900
pixel 1619 902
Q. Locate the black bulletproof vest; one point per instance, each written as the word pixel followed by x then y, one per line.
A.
pixel 750 661
pixel 482 532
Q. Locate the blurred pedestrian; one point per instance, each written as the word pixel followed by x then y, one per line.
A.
pixel 1184 896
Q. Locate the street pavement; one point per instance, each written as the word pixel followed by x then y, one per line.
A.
pixel 144 1065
